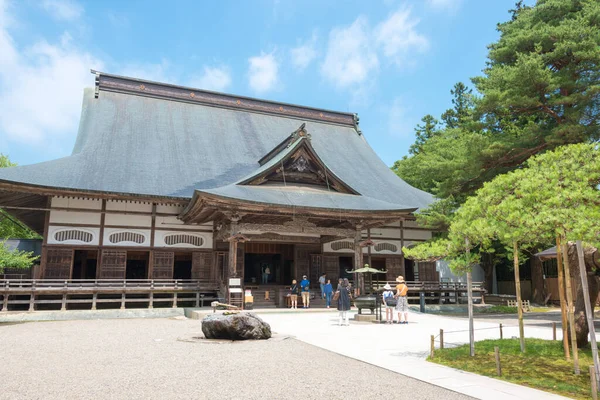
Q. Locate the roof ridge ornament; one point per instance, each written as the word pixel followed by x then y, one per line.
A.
pixel 299 133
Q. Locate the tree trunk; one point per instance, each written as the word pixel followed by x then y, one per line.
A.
pixel 592 261
pixel 537 280
pixel 487 264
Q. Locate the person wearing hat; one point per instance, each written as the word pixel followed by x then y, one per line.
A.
pixel 305 288
pixel 390 302
pixel 402 304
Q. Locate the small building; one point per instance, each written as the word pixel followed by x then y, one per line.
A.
pixel 174 183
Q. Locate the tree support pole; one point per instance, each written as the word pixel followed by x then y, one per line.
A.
pixel 519 302
pixel 563 303
pixel 470 299
pixel 589 311
pixel 570 314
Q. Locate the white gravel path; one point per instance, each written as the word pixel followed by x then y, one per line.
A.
pixel 158 358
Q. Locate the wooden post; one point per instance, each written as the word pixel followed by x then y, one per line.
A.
pixel 197 299
pixel 519 301
pixel 441 338
pixel 554 331
pixel 63 306
pixel 432 347
pixel 94 301
pixel 501 335
pixel 563 302
pixel 570 315
pixel 594 383
pixel 32 301
pixel 360 284
pixel 589 311
pixel 5 303
pixel 498 366
pixel 175 300
pixel 470 300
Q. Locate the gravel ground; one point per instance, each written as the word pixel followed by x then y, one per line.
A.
pixel 160 358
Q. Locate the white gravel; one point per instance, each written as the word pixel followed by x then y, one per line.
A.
pixel 159 358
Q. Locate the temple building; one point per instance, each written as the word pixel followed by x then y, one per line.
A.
pixel 174 183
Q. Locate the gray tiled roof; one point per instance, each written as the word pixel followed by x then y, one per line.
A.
pixel 150 146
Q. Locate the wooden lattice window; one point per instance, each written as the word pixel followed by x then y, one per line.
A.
pixel 114 263
pixel 342 245
pixel 163 262
pixel 202 265
pixel 73 235
pixel 58 264
pixel 184 238
pixel 386 247
pixel 133 237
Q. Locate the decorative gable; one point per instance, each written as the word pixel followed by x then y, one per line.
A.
pixel 295 161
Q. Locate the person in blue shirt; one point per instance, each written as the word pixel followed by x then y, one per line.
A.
pixel 305 288
pixel 328 290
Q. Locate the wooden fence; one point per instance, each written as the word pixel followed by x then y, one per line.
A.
pixel 18 293
pixel 438 292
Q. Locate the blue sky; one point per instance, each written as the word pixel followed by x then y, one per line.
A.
pixel 390 61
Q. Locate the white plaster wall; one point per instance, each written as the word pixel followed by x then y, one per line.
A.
pixel 128 220
pixel 169 209
pixel 73 217
pixel 109 231
pixel 128 206
pixel 52 229
pixel 159 239
pixel 69 202
pixel 445 273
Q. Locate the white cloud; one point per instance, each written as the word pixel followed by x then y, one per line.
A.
pixel 213 78
pixel 41 87
pixel 397 36
pixel 263 72
pixel 350 57
pixel 304 54
pixel 66 10
pixel 399 123
pixel 354 52
pixel 444 5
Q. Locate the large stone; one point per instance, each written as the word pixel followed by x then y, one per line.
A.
pixel 241 326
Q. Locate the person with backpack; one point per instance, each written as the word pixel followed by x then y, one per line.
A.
pixel 343 299
pixel 390 303
pixel 294 295
pixel 305 288
pixel 402 304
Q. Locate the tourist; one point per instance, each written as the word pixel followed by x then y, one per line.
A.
pixel 322 285
pixel 390 302
pixel 328 289
pixel 343 291
pixel 305 287
pixel 294 295
pixel 402 304
pixel 266 271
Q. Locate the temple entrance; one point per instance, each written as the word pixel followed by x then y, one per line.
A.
pixel 275 258
pixel 137 265
pixel 182 267
pixel 379 263
pixel 84 264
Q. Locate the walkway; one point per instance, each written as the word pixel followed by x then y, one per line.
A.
pixel 403 348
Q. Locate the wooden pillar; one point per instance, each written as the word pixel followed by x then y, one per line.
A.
pixel 232 268
pixel 402 262
pixel 101 241
pixel 358 258
pixel 44 257
pixel 369 249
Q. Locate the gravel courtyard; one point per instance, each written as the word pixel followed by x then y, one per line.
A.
pixel 159 358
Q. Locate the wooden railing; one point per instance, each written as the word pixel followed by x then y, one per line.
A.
pixel 94 291
pixel 442 292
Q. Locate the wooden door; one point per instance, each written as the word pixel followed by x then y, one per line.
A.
pixel 427 272
pixel 114 263
pixel 315 267
pixel 163 263
pixel 202 265
pixel 331 266
pixel 59 263
pixel 222 265
pixel 394 267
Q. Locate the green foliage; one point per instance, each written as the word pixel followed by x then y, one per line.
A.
pixel 423 133
pixel 9 226
pixel 497 310
pixel 542 366
pixel 464 103
pixel 15 258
